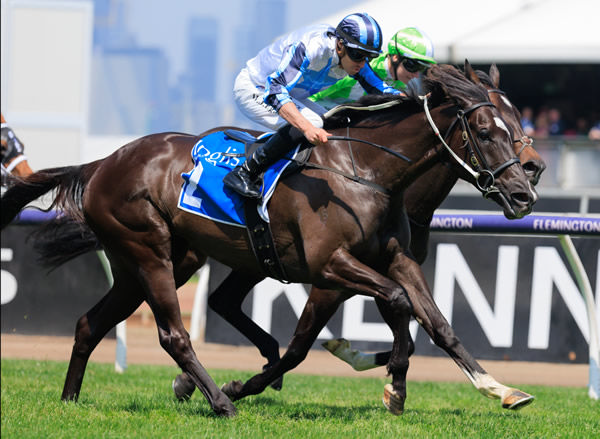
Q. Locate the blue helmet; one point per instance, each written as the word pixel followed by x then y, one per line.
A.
pixel 360 31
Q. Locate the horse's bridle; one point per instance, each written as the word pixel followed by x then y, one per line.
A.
pixel 525 140
pixel 483 175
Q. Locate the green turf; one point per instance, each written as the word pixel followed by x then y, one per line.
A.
pixel 140 404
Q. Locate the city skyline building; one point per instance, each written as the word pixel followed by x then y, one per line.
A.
pixel 131 91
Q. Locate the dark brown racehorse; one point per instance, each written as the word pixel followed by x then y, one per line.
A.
pixel 330 231
pixel 12 155
pixel 421 199
pixel 422 188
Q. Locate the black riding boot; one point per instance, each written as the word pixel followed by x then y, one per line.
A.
pixel 245 179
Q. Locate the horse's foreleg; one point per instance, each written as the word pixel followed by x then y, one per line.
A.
pixel 352 276
pixel 425 310
pixel 397 318
pixel 317 312
pixel 121 301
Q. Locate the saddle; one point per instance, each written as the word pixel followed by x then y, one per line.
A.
pixel 259 230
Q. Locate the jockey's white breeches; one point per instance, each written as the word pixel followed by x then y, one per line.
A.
pixel 249 99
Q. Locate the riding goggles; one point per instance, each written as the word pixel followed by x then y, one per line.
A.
pixel 414 66
pixel 358 55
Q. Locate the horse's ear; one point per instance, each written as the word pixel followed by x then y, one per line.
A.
pixel 470 73
pixel 495 75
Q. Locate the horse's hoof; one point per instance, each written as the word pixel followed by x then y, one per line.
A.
pixel 228 411
pixel 392 401
pixel 336 344
pixel 277 384
pixel 516 399
pixel 69 398
pixel 232 389
pixel 183 388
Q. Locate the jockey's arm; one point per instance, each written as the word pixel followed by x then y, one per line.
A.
pixel 277 95
pixel 316 136
pixel 372 83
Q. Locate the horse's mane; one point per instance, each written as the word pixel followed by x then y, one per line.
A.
pixel 484 78
pixel 453 84
pixel 444 83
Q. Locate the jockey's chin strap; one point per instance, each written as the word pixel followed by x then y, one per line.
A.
pixel 525 140
pixel 484 177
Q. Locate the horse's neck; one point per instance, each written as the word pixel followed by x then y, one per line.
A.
pixel 427 154
pixel 431 187
pixel 428 191
pixel 412 137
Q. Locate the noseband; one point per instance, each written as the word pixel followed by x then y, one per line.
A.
pixel 483 175
pixel 525 140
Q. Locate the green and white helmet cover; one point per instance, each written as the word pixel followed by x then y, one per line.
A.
pixel 412 42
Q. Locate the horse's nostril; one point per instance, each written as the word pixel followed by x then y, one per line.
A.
pixel 531 168
pixel 534 166
pixel 521 197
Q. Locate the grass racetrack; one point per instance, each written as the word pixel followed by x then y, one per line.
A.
pixel 343 404
pixel 140 403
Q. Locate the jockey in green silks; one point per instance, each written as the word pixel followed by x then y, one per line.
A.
pixel 410 52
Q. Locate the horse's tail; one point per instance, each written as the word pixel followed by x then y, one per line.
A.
pixel 61 240
pixel 68 235
pixel 69 182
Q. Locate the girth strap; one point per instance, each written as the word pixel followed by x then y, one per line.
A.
pixel 261 241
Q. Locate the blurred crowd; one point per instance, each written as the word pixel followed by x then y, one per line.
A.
pixel 549 122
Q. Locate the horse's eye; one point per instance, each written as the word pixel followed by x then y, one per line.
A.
pixel 484 134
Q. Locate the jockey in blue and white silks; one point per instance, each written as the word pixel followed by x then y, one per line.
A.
pixel 295 67
pixel 274 87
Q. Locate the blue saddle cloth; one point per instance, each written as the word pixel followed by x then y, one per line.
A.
pixel 203 192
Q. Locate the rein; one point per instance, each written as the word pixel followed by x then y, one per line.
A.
pixel 381 147
pixel 354 177
pixel 484 177
pixel 349 139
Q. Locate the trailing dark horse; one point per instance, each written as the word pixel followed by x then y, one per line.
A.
pixel 331 232
pixel 421 199
pixel 12 155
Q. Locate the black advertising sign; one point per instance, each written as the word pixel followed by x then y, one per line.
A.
pixel 37 302
pixel 507 297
